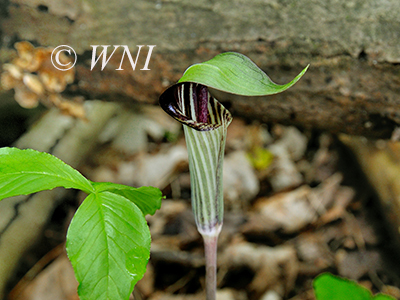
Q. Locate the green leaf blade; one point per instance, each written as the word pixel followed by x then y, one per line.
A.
pixel 147 198
pixel 23 172
pixel 108 244
pixel 235 73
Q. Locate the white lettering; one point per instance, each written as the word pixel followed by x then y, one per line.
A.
pixel 133 63
pixel 146 65
pixel 102 54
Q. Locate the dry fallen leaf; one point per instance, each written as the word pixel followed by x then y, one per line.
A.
pixel 34 79
pixel 284 174
pixel 292 211
pixel 241 184
pixel 57 281
pixel 269 264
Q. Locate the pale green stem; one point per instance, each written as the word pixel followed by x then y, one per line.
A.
pixel 210 249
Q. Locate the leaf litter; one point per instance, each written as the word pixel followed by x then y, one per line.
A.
pixel 290 214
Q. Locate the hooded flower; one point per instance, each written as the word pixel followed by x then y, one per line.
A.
pixel 205 123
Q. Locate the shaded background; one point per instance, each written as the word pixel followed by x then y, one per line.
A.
pixel 351 45
pixel 351 88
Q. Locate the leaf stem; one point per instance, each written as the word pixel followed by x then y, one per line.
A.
pixel 210 249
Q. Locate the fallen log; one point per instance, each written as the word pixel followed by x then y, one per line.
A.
pixel 351 86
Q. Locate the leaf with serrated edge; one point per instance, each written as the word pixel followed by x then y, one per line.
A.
pixel 147 198
pixel 23 172
pixel 108 244
pixel 235 73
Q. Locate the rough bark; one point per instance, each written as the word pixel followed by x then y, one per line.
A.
pixel 352 47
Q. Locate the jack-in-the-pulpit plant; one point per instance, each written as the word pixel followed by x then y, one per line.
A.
pixel 205 123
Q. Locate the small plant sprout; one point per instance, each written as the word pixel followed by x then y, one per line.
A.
pixel 205 123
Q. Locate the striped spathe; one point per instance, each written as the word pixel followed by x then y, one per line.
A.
pixel 205 123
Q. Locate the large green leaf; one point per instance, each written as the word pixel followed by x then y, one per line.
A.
pixel 330 287
pixel 147 198
pixel 108 244
pixel 28 171
pixel 235 73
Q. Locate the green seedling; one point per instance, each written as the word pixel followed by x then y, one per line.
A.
pixel 330 287
pixel 108 240
pixel 205 123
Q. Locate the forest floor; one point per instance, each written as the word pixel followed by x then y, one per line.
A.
pixel 296 205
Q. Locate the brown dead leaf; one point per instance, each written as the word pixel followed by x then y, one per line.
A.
pixel 270 265
pixel 313 251
pixel 241 184
pixel 292 211
pixel 35 79
pixel 284 173
pixel 354 265
pixel 57 281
